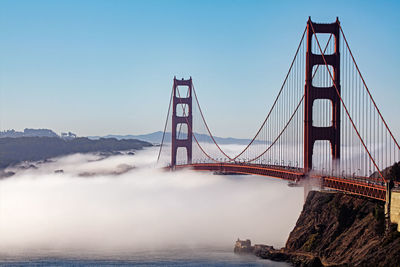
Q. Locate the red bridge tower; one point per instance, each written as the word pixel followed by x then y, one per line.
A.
pixel 313 133
pixel 185 118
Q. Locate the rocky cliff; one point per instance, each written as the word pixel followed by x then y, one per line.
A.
pixel 336 229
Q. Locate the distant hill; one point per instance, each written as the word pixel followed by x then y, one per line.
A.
pixel 156 137
pixel 16 150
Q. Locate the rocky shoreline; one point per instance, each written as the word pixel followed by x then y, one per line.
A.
pixel 335 229
pixel 270 253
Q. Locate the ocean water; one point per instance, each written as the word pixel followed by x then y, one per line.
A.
pixel 169 257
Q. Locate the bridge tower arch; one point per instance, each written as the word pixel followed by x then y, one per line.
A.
pixel 312 93
pixel 182 119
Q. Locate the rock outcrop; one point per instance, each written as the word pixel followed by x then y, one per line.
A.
pixel 243 246
pixel 336 229
pixel 343 229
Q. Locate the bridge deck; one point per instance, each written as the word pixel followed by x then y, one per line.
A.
pixel 373 188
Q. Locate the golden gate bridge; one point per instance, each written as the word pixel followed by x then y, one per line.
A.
pixel 324 124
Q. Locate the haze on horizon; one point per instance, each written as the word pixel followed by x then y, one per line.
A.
pixel 106 67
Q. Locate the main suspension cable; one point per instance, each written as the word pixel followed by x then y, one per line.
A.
pixel 366 87
pixel 166 124
pixel 269 113
pixel 344 105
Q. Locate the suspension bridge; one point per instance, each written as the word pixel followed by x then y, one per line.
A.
pixel 323 124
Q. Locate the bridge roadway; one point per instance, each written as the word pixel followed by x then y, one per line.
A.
pixel 362 186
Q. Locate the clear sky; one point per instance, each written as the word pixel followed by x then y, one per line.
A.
pixel 106 67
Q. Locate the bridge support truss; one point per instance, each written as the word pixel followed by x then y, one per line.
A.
pixel 312 93
pixel 178 120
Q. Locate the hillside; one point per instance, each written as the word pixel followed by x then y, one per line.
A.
pixel 16 150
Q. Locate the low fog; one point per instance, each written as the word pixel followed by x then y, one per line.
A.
pixel 122 203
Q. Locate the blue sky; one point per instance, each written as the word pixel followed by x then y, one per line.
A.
pixel 102 67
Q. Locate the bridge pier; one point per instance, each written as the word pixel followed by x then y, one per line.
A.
pixel 307 188
pixel 392 206
pixel 387 207
pixel 310 182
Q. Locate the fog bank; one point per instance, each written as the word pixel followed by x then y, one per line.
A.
pixel 139 208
